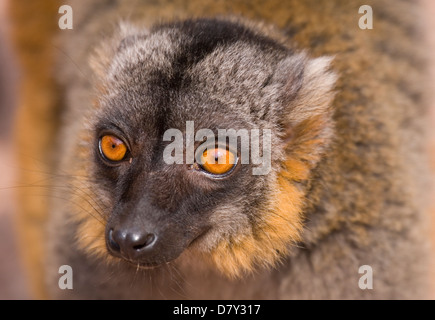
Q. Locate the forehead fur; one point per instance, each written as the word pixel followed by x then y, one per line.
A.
pixel 174 48
pixel 193 68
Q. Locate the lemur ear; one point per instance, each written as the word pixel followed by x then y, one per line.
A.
pixel 125 34
pixel 303 87
pixel 309 90
pixel 307 112
pixel 288 77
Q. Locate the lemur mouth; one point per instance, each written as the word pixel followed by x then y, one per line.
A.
pixel 146 266
pixel 156 265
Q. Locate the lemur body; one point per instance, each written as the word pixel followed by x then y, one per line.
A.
pixel 347 169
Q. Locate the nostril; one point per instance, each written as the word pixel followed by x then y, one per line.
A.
pixel 149 240
pixel 113 244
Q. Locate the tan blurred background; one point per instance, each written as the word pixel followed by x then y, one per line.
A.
pixel 13 284
pixel 430 25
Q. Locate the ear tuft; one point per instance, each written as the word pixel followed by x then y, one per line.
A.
pixel 289 76
pixel 315 94
pixel 309 118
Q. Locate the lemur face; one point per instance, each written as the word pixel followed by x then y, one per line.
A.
pixel 213 75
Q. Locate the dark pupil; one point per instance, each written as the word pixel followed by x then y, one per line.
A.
pixel 113 146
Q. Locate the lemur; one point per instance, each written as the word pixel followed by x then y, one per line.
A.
pixel 346 115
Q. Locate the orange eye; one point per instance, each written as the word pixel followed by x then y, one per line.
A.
pixel 113 148
pixel 217 161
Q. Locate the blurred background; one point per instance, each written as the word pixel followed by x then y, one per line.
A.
pixel 13 282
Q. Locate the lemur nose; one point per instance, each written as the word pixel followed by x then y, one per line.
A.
pixel 131 244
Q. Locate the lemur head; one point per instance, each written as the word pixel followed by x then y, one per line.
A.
pixel 210 74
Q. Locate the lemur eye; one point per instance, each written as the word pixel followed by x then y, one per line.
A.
pixel 112 148
pixel 218 161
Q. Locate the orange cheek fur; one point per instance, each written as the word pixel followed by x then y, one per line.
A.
pixel 269 242
pixel 282 222
pixel 87 211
